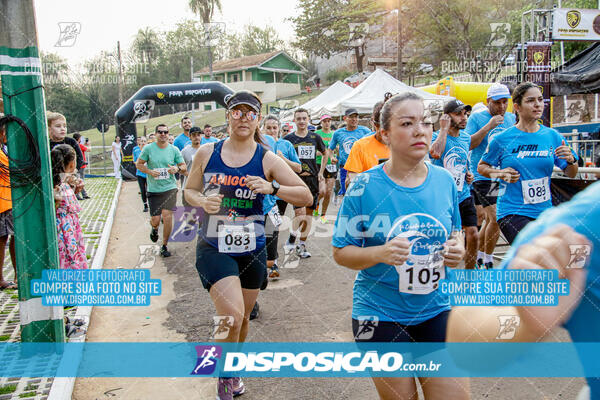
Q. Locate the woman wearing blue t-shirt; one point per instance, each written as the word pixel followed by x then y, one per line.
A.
pixel 399 225
pixel 525 155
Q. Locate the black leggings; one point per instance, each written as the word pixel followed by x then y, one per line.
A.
pixel 142 183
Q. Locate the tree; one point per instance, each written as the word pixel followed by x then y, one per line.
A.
pixel 205 9
pixel 328 27
pixel 147 45
pixel 466 36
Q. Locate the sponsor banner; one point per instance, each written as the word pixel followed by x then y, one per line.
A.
pixel 538 71
pixel 509 287
pixel 575 24
pixel 323 360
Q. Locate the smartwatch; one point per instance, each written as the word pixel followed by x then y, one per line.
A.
pixel 275 185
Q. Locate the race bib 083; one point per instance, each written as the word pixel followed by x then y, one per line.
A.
pixel 237 238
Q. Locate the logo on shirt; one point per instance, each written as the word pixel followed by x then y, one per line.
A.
pixel 426 236
pixel 207 359
pixel 358 185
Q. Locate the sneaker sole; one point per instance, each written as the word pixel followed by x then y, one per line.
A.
pixel 274 274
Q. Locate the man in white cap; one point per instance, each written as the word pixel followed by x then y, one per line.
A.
pixel 482 126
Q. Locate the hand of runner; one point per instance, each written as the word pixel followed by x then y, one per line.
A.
pixel 454 251
pixel 552 250
pixel 495 121
pixel 212 203
pixel 155 174
pixel 334 160
pixel 508 174
pixel 395 252
pixel 258 185
pixel 564 152
pixel 173 169
pixel 445 123
pixel 469 177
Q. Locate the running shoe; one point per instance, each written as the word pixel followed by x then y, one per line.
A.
pixel 480 262
pixel 145 207
pixel 225 389
pixel 274 271
pixel 154 235
pixel 301 251
pixel 288 247
pixel 323 219
pixel 164 251
pixel 255 311
pixel 489 265
pixel 238 387
pixel 315 213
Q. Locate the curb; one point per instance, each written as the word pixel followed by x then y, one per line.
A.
pixel 62 388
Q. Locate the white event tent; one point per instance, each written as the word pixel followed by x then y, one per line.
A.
pixel 372 90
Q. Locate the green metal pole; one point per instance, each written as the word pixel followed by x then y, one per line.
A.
pixel 33 208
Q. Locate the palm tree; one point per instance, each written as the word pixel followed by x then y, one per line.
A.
pixel 205 10
pixel 146 44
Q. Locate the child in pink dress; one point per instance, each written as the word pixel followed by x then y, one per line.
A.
pixel 71 249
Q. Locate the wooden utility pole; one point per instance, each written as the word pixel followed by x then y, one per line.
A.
pixel 399 42
pixel 120 85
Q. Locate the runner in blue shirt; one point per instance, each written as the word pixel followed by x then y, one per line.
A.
pixel 207 137
pixel 183 139
pixel 141 177
pixel 482 126
pixel 563 237
pixel 345 138
pixel 526 155
pixel 274 207
pixel 399 225
pixel 229 180
pixel 450 150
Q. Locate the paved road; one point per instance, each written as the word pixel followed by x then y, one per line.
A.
pixel 313 303
pixel 308 303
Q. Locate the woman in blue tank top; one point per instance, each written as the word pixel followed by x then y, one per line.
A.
pixel 229 180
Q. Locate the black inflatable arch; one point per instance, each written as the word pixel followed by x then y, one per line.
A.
pixel 140 105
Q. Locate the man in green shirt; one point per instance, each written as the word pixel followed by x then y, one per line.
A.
pixel 161 161
pixel 330 172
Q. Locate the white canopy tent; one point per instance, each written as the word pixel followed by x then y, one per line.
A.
pixel 334 92
pixel 372 90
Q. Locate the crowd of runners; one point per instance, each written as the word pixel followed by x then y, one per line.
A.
pixel 414 203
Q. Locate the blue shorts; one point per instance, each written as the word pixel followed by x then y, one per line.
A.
pixel 343 175
pixel 213 266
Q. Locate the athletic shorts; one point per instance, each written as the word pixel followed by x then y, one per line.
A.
pixel 432 330
pixel 6 223
pixel 313 185
pixel 327 174
pixel 213 266
pixel 486 193
pixel 162 201
pixel 468 213
pixel 511 225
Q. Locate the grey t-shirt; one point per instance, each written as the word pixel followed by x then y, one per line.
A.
pixel 188 153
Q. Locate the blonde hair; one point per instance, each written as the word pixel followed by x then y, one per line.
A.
pixel 53 116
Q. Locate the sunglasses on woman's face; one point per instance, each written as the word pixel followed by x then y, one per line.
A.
pixel 238 114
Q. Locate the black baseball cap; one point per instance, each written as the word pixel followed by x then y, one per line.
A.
pixel 244 97
pixel 351 111
pixel 456 106
pixel 195 129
